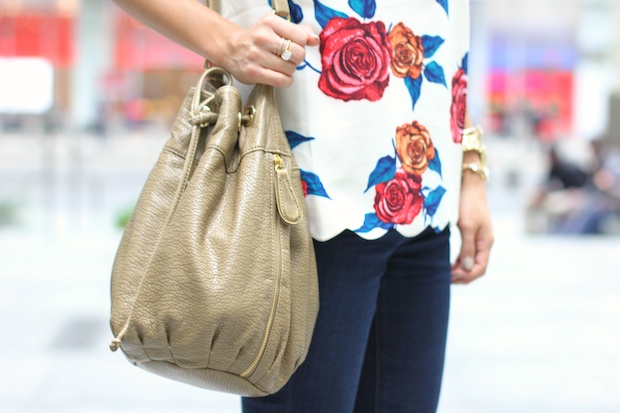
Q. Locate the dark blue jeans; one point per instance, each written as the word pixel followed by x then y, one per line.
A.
pixel 380 337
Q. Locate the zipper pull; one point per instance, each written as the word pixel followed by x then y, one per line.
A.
pixel 277 161
pixel 289 206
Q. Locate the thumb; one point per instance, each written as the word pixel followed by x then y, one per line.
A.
pixel 468 250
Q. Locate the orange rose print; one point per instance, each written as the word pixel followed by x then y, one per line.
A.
pixel 414 147
pixel 407 52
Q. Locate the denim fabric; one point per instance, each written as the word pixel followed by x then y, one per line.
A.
pixel 380 337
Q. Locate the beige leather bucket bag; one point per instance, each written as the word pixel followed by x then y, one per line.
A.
pixel 214 282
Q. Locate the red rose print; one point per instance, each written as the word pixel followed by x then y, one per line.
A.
pixel 304 187
pixel 355 59
pixel 459 105
pixel 399 201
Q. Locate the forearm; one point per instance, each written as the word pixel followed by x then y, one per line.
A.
pixel 474 221
pixel 187 22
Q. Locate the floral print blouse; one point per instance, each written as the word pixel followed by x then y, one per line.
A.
pixel 376 112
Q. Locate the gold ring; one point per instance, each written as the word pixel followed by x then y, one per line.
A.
pixel 281 48
pixel 288 52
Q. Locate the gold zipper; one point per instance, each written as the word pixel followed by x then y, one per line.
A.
pixel 274 301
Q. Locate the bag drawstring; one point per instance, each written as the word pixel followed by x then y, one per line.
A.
pixel 116 343
pixel 202 119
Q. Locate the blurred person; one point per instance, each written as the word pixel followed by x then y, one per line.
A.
pixel 599 199
pixel 389 161
pixel 605 182
pixel 606 168
pixel 564 174
pixel 580 201
pixel 559 194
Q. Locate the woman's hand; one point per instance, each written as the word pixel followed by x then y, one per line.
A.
pixel 251 55
pixel 476 232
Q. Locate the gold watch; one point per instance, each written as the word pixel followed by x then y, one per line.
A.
pixel 472 141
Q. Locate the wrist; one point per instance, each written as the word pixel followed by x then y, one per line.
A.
pixel 471 156
pixel 228 46
pixel 216 43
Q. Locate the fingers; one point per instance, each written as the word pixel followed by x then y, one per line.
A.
pixel 291 37
pixel 474 256
pixel 462 276
pixel 468 249
pixel 290 53
pixel 270 51
pixel 301 35
pixel 313 39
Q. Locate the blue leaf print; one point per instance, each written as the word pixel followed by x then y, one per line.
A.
pixel 372 221
pixel 324 14
pixel 365 8
pixel 295 138
pixel 415 89
pixel 315 186
pixel 431 44
pixel 385 170
pixel 435 163
pixel 434 73
pixel 297 14
pixel 307 64
pixel 433 199
pixel 465 63
pixel 444 4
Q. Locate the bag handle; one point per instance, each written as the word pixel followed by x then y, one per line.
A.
pixel 280 7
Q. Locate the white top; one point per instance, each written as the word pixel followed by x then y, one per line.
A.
pixel 375 114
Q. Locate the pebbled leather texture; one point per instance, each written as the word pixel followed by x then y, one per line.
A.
pixel 214 282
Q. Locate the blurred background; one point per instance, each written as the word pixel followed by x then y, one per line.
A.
pixel 87 95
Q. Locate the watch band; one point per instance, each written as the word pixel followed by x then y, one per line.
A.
pixel 477 168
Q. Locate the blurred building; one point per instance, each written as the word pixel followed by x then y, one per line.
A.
pixel 538 68
pixel 108 69
pixel 549 66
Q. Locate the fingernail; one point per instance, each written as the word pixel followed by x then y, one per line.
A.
pixel 467 263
